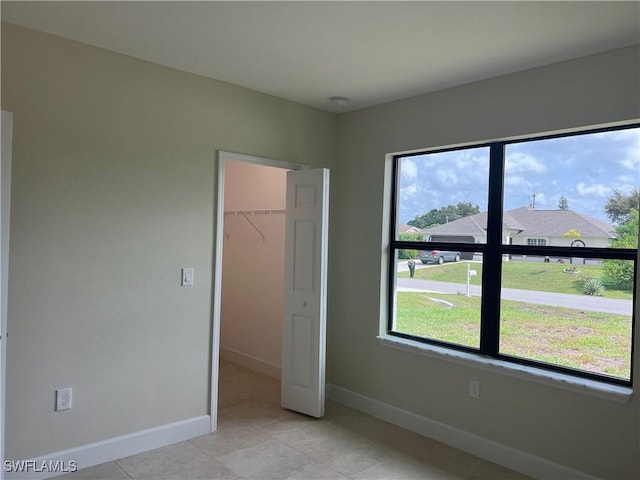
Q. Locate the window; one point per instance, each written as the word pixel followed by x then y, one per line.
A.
pixel 536 242
pixel 503 268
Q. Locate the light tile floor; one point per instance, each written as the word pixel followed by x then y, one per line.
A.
pixel 256 439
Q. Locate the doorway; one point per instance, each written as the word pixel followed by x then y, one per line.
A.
pixel 253 266
pixel 249 270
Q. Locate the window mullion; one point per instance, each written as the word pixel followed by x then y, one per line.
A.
pixel 492 260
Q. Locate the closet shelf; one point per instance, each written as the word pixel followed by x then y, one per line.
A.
pixel 247 213
pixel 255 212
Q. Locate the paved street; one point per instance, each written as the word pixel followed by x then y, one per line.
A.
pixel 578 302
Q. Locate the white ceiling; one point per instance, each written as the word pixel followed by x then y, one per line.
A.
pixel 371 52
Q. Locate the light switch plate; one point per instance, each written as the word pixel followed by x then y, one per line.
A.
pixel 187 277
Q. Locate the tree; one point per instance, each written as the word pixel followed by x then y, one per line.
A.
pixel 623 210
pixel 628 232
pixel 467 208
pixel 618 207
pixel 620 272
pixel 573 233
pixel 426 219
pixel 563 203
pixel 444 214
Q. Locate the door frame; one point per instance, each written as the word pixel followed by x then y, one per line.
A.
pixel 5 210
pixel 223 157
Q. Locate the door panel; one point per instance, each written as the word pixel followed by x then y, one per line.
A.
pixel 304 326
pixel 302 345
pixel 303 258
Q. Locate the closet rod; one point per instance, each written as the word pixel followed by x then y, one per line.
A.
pixel 247 213
pixel 255 212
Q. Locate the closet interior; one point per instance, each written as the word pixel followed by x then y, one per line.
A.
pixel 253 266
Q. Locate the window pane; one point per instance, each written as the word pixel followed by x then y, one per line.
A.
pixel 443 196
pixel 536 242
pixel 574 313
pixel 437 302
pixel 573 191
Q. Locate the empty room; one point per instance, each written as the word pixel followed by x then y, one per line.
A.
pixel 320 240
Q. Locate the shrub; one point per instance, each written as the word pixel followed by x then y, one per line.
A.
pixel 593 286
pixel 409 254
pixel 619 273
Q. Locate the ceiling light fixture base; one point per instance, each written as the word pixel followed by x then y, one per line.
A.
pixel 339 101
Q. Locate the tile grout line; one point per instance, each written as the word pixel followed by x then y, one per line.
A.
pixel 122 469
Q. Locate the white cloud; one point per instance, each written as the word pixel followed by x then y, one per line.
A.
pixel 409 169
pixel 566 161
pixel 632 152
pixel 619 135
pixel 627 180
pixel 469 162
pixel 596 189
pixel 626 144
pixel 516 181
pixel 409 191
pixel 541 200
pixel 523 163
pixel 632 162
pixel 448 177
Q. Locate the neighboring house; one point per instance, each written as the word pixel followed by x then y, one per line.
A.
pixel 527 226
pixel 403 228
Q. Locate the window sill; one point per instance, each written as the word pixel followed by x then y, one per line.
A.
pixel 593 388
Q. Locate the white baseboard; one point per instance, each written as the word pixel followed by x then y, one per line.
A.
pixel 251 362
pixel 495 452
pixel 114 448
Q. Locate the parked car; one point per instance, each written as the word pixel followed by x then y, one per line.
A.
pixel 439 256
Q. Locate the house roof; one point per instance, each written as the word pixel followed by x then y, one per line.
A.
pixel 471 225
pixel 530 223
pixel 404 228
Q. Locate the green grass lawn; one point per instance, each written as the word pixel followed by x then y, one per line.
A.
pixel 590 341
pixel 543 277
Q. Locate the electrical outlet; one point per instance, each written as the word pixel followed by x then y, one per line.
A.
pixel 63 399
pixel 474 389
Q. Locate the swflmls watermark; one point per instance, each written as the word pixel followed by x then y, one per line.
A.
pixel 42 466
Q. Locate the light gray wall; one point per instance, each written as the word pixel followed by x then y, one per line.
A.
pixel 113 192
pixel 596 436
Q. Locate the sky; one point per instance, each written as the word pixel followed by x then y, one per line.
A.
pixel 585 169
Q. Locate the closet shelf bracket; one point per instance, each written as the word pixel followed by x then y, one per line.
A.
pixel 254 227
pixel 246 213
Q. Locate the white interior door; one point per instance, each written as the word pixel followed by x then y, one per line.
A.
pixel 305 295
pixel 5 198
